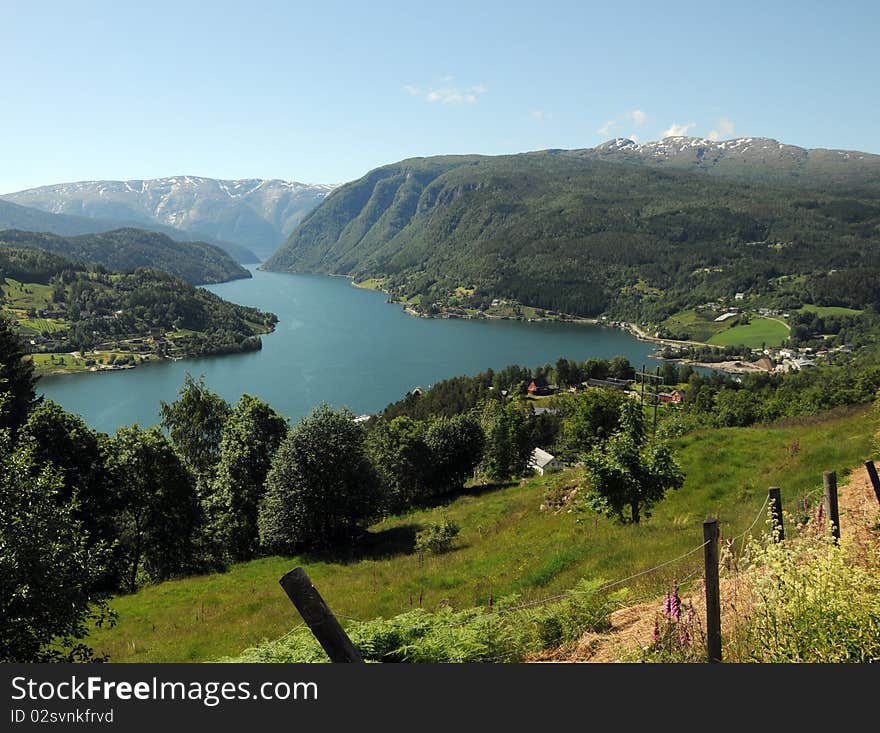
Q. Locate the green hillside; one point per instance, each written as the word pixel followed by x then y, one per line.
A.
pixel 590 234
pixel 66 309
pixel 508 544
pixel 126 249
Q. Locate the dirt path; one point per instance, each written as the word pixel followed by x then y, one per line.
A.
pixel 632 627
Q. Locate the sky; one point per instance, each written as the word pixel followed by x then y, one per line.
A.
pixel 322 92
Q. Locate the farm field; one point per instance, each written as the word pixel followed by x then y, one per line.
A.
pixel 698 325
pixel 830 310
pixel 760 331
pixel 508 544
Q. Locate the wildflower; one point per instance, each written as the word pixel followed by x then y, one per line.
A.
pixel 655 636
pixel 672 603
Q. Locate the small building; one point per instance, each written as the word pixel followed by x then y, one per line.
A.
pixel 361 418
pixel 674 397
pixel 739 296
pixel 417 392
pixel 542 462
pixel 800 364
pixel 545 411
pixel 540 390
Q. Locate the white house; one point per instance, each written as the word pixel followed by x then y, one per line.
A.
pixel 541 461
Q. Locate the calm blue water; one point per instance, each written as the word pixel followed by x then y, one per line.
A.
pixel 334 343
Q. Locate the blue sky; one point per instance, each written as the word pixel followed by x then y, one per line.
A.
pixel 325 91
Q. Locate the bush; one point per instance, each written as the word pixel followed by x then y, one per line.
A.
pixel 437 538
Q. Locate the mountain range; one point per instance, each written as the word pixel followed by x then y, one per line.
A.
pixel 753 158
pixel 255 214
pixel 26 218
pixel 617 228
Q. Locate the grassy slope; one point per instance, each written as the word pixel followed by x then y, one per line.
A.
pixel 756 333
pixel 507 544
pixel 831 310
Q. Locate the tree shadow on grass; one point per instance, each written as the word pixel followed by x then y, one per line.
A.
pixel 400 540
pixel 380 545
pixel 474 490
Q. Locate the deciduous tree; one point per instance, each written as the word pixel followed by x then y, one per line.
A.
pixel 321 488
pixel 629 474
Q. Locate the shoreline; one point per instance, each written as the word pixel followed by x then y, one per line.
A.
pixel 409 310
pixel 729 366
pixel 153 359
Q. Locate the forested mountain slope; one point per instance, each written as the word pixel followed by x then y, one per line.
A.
pixel 587 232
pixel 125 249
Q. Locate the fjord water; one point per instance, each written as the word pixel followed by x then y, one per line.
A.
pixel 338 344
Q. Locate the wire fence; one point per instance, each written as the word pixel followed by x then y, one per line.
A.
pixel 558 597
pixel 684 575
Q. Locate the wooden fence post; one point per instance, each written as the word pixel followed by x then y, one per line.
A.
pixel 713 593
pixel 875 481
pixel 776 511
pixel 319 617
pixel 829 478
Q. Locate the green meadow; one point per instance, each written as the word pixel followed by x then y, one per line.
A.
pixel 508 544
pixel 760 331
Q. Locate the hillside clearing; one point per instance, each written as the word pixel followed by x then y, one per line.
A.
pixel 755 334
pixel 507 544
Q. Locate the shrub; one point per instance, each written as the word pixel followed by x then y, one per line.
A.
pixel 437 538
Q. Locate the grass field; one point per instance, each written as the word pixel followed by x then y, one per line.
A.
pixel 761 331
pixel 699 325
pixel 45 363
pixel 31 295
pixel 830 310
pixel 371 283
pixel 507 544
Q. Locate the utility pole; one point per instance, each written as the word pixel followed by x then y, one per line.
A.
pixel 658 379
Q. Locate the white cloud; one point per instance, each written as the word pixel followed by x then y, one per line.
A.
pixel 676 130
pixel 541 115
pixel 636 116
pixel 724 128
pixel 447 94
pixel 606 128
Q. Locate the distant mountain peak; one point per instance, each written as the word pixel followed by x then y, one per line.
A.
pixel 742 156
pixel 258 213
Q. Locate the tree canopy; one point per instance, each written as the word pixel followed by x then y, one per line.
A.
pixel 321 488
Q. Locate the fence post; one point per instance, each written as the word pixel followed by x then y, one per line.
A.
pixel 713 593
pixel 875 481
pixel 776 511
pixel 319 617
pixel 829 478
